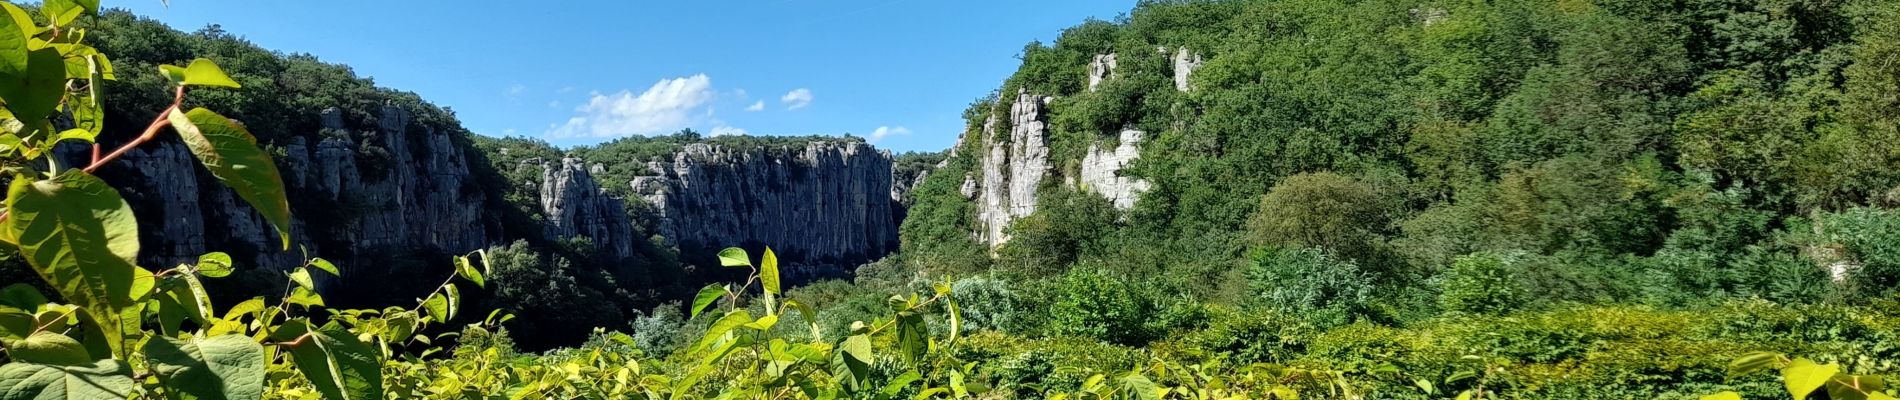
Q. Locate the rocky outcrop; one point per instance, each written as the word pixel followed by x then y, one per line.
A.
pixel 396 186
pixel 1013 167
pixel 824 203
pixel 1102 68
pixel 576 206
pixel 1102 171
pixel 1185 62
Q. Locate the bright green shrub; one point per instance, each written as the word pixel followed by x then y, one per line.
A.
pixel 1479 283
pixel 1091 304
pixel 1871 239
pixel 1309 283
pixel 991 304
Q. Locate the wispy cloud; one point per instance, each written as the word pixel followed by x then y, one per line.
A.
pixel 798 98
pixel 723 130
pixel 668 105
pixel 756 107
pixel 887 131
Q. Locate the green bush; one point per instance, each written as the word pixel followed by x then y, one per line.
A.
pixel 1479 283
pixel 1091 304
pixel 1310 283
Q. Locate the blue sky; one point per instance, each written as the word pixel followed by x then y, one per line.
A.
pixel 581 72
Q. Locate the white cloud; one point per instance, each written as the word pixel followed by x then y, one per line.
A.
pixel 517 90
pixel 797 99
pixel 887 131
pixel 723 130
pixel 759 106
pixel 667 106
pixel 740 94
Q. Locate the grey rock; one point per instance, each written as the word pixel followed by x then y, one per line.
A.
pixel 1185 62
pixel 1102 68
pixel 1013 168
pixel 1102 170
pixel 576 206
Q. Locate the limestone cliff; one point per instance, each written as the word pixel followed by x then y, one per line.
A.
pixel 356 194
pixel 825 202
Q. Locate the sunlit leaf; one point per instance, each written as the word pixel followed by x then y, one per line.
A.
pixel 718 329
pixel 706 297
pixel 325 266
pixel 232 155
pixel 49 348
pixel 1723 396
pixel 1803 376
pixel 852 361
pixel 215 265
pixel 80 236
pixel 768 272
pixel 103 379
pixel 302 278
pixel 33 93
pixel 229 367
pixel 333 360
pixel 734 257
pixel 467 270
pixel 204 72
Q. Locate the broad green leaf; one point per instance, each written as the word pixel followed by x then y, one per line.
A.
pixel 21 20
pixel 734 257
pixel 444 304
pixel 103 379
pixel 49 348
pixel 15 324
pixel 1755 362
pixel 1136 386
pixel 325 266
pixel 241 309
pixel 1851 387
pixel 22 296
pixel 215 265
pixel 203 72
pixel 763 323
pixel 304 297
pixel 467 270
pixel 851 362
pixel 718 329
pixel 1723 396
pixel 13 33
pixel 231 154
pixel 768 272
pixel 811 318
pixel 229 367
pixel 34 93
pixel 302 278
pixel 173 73
pixel 912 341
pixel 1803 376
pixel 706 297
pixel 333 360
pixel 897 385
pixel 82 239
pixel 63 12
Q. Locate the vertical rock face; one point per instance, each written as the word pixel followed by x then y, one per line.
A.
pixel 825 203
pixel 398 188
pixel 1185 62
pixel 1102 171
pixel 575 205
pixel 1101 69
pixel 1014 167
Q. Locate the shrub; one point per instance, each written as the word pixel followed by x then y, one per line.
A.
pixel 1310 283
pixel 1479 283
pixel 989 303
pixel 1091 304
pixel 1330 211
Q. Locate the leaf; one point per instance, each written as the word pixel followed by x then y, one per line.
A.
pixel 768 272
pixel 1723 396
pixel 706 297
pixel 304 297
pixel 897 385
pixel 764 323
pixel 852 361
pixel 1754 362
pixel 467 270
pixel 911 338
pixel 734 257
pixel 811 318
pixel 1803 376
pixel 444 304
pixel 1139 387
pixel 204 72
pixel 341 367
pixel 63 12
pixel 231 154
pixel 1851 387
pixel 21 296
pixel 325 266
pixel 13 34
pixel 215 265
pixel 302 278
pixel 103 379
pixel 33 93
pixel 49 348
pixel 229 367
pixel 732 320
pixel 82 239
